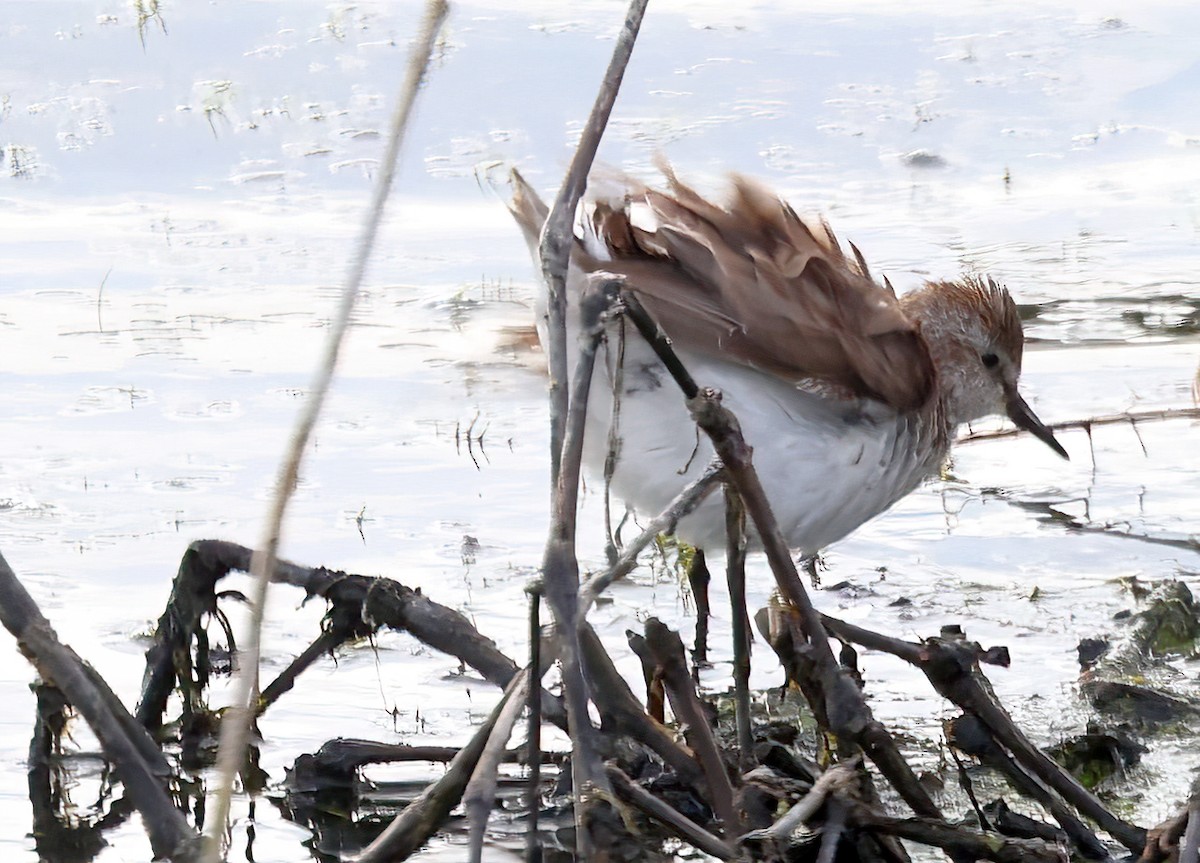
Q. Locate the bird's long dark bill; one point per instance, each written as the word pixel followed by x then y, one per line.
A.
pixel 1022 414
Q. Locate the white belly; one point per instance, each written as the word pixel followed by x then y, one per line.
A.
pixel 827 465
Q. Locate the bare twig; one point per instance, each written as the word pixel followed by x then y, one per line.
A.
pixel 957 840
pixel 235 729
pixel 557 235
pixel 684 503
pixel 419 819
pixel 1131 417
pixel 560 569
pixel 480 792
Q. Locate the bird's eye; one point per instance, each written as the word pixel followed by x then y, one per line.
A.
pixel 990 360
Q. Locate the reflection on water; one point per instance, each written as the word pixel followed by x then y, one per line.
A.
pixel 178 212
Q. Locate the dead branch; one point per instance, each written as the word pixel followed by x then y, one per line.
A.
pixel 378 601
pixel 558 236
pixel 134 755
pixel 420 819
pixel 633 794
pixel 479 796
pixel 1131 417
pixel 958 841
pixel 667 649
pixel 684 503
pixel 623 714
pixel 560 570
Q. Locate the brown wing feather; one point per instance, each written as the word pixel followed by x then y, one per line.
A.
pixel 753 282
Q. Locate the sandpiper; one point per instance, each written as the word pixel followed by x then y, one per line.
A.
pixel 849 396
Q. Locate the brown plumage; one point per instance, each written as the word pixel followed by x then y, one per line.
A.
pixel 848 395
pixel 755 283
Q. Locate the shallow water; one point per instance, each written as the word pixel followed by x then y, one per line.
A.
pixel 177 211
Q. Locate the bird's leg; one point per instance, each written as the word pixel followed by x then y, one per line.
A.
pixel 698 578
pixel 735 574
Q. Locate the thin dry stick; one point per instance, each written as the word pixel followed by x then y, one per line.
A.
pixel 558 236
pixel 235 729
pixel 480 793
pixel 1131 417
pixel 684 503
pixel 561 569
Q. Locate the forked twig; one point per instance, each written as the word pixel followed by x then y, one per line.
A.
pixel 235 729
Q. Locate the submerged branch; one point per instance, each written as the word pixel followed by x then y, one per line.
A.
pixel 136 758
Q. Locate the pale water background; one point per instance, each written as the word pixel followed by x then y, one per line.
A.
pixel 177 212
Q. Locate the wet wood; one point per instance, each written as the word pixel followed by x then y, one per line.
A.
pixel 677 824
pixel 969 735
pixel 622 713
pixel 409 830
pixel 479 795
pixel 135 757
pixel 667 648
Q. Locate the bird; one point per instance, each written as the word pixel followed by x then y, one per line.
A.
pixel 849 395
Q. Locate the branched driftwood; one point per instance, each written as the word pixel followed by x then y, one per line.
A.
pixel 968 734
pixel 1130 417
pixel 951 666
pixel 375 601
